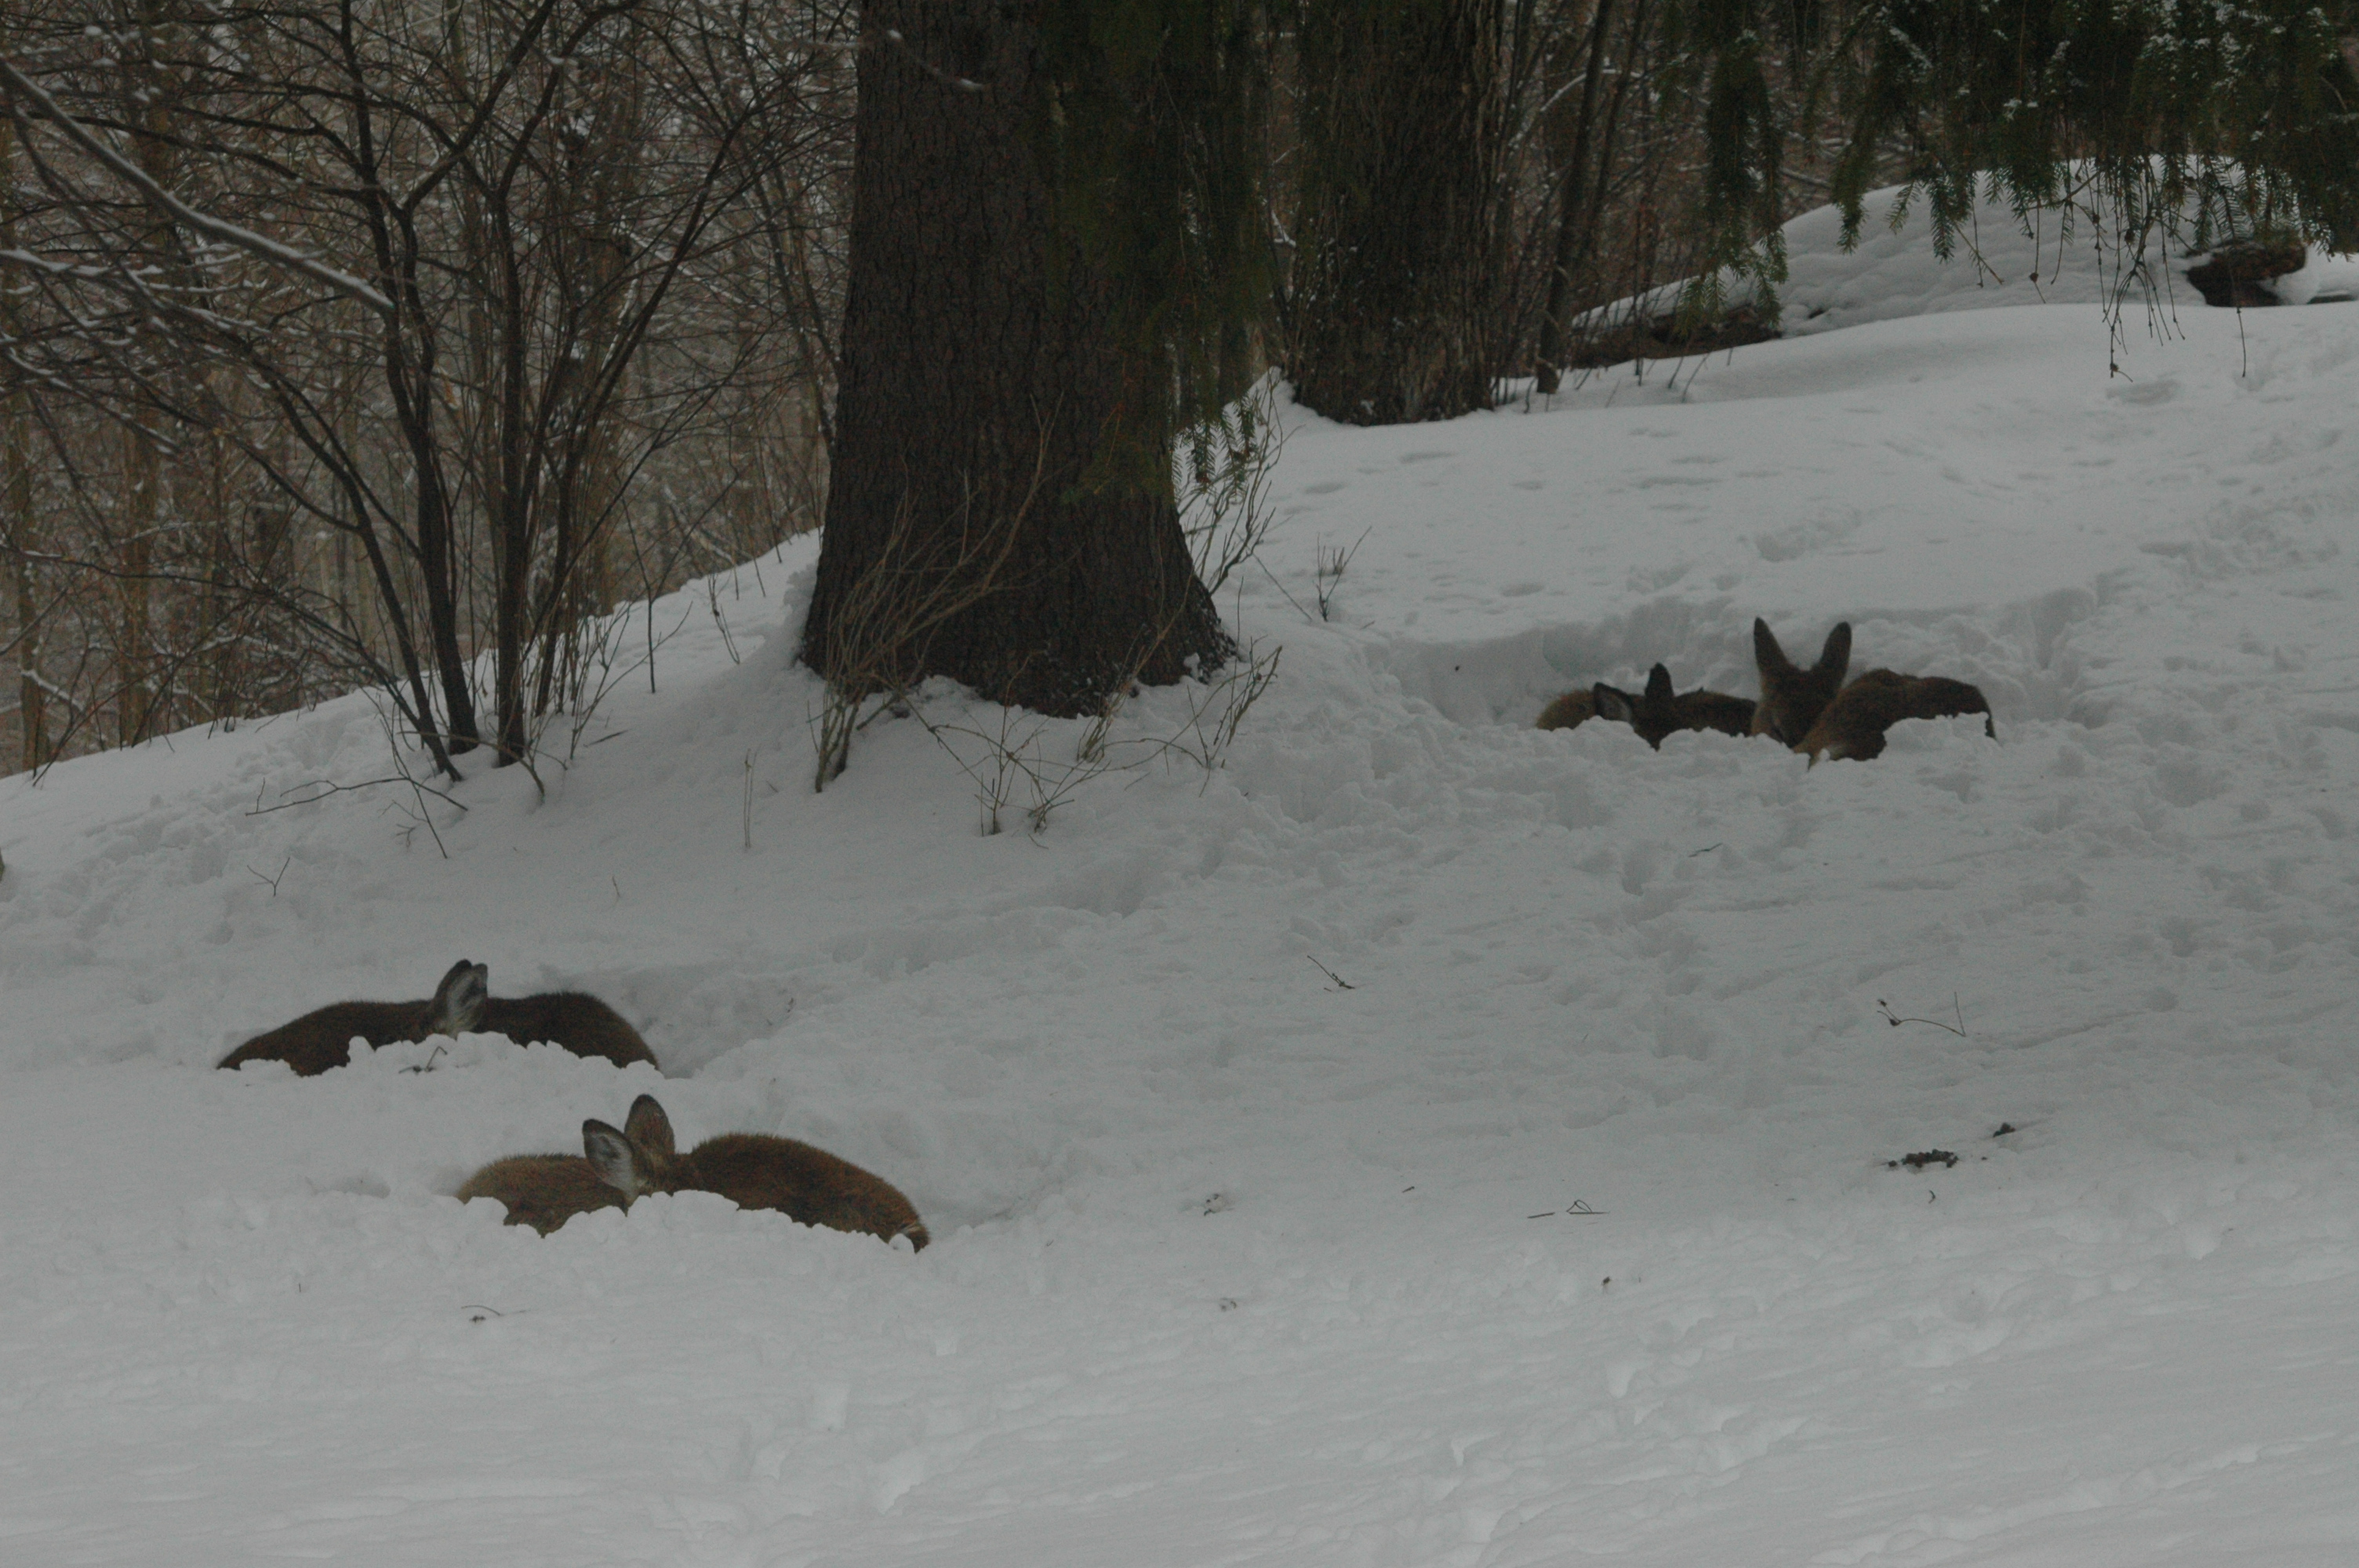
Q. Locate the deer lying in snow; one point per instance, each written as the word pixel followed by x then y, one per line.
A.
pixel 750 1169
pixel 462 1004
pixel 1655 714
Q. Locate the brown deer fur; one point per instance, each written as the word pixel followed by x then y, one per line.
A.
pixel 543 1191
pixel 1569 711
pixel 1660 712
pixel 575 1019
pixel 753 1170
pixel 1854 724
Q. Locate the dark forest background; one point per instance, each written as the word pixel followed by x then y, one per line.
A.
pixel 394 344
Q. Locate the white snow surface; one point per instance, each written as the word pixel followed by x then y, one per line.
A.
pixel 1571 1229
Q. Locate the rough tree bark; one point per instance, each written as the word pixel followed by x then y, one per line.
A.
pixel 1388 317
pixel 982 522
pixel 16 497
pixel 150 89
pixel 1575 220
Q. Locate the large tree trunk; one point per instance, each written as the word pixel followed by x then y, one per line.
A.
pixel 16 506
pixel 151 92
pixel 1389 314
pixel 17 498
pixel 977 526
pixel 139 696
pixel 1575 218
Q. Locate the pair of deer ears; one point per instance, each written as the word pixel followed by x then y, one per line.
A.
pixel 1834 656
pixel 1613 702
pixel 628 1158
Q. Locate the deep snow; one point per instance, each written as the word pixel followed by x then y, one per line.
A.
pixel 1570 1228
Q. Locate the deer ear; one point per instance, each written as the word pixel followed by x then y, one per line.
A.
pixel 610 1154
pixel 1836 656
pixel 1658 685
pixel 458 1004
pixel 1767 654
pixel 651 1129
pixel 1612 703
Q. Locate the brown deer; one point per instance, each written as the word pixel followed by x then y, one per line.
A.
pixel 750 1169
pixel 1660 712
pixel 462 1004
pixel 1854 724
pixel 1792 698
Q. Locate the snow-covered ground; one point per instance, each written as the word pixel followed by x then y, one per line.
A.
pixel 1426 1142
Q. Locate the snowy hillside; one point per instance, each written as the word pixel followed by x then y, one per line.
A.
pixel 1428 1141
pixel 1893 273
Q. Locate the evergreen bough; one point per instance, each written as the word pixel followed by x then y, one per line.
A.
pixel 2206 120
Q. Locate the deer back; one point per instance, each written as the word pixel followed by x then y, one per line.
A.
pixel 1854 724
pixel 543 1191
pixel 574 1020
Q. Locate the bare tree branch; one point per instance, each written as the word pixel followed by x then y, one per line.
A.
pixel 22 89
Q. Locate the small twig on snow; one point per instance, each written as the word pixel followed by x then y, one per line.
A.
pixel 326 787
pixel 749 803
pixel 1959 1029
pixel 1341 983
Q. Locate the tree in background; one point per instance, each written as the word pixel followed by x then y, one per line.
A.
pixel 597 252
pixel 1057 251
pixel 16 514
pixel 566 227
pixel 1579 184
pixel 1397 240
